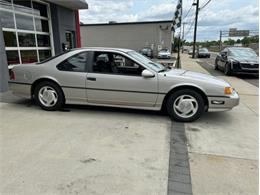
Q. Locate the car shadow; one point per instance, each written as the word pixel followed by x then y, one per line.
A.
pixel 247 76
pixel 72 108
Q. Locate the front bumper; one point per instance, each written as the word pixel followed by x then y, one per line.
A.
pixel 164 57
pixel 244 68
pixel 223 103
pixel 203 55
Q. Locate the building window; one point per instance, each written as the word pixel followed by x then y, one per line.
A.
pixel 26 30
pixel 43 41
pixel 10 39
pixel 6 4
pixel 44 54
pixel 28 56
pixel 24 22
pixel 26 40
pixel 12 57
pixel 7 19
pixel 41 25
pixel 24 6
pixel 40 9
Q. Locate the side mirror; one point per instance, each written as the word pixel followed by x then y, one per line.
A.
pixel 223 55
pixel 147 74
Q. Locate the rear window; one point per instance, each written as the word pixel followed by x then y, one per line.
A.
pixel 53 57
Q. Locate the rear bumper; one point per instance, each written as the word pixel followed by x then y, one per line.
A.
pixel 20 89
pixel 222 103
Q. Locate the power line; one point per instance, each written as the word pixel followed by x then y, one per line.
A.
pixel 187 13
pixel 190 27
pixel 205 4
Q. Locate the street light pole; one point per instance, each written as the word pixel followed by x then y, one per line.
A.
pixel 195 28
pixel 220 40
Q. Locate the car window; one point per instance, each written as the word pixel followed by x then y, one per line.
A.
pixel 203 50
pixel 114 63
pixel 76 63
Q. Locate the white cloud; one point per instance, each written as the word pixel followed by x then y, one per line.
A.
pixel 216 16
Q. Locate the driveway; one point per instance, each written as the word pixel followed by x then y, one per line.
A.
pixel 82 150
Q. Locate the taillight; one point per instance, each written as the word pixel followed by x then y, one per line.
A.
pixel 11 75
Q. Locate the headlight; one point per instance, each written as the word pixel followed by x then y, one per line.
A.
pixel 228 90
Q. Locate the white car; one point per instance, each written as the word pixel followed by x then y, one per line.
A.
pixel 120 78
pixel 164 54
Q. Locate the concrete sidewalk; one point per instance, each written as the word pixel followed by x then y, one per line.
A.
pixel 85 150
pixel 223 147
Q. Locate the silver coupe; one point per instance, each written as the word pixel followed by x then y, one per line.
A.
pixel 120 78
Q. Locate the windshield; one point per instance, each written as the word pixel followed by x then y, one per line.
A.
pixel 164 50
pixel 203 50
pixel 243 52
pixel 149 63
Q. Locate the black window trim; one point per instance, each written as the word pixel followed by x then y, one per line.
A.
pixel 90 65
pixel 86 64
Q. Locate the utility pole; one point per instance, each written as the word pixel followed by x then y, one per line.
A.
pixel 220 40
pixel 195 28
pixel 183 35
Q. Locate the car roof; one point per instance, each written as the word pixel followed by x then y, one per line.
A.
pixel 105 49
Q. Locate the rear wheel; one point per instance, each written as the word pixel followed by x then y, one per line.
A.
pixel 185 105
pixel 49 96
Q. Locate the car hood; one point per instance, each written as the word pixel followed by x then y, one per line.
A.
pixel 197 76
pixel 246 59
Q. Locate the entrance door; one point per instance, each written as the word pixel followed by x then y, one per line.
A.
pixel 69 39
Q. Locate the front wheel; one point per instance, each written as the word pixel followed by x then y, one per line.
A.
pixel 49 96
pixel 216 65
pixel 185 105
pixel 227 70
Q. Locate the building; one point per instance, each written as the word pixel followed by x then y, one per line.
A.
pixel 34 30
pixel 132 35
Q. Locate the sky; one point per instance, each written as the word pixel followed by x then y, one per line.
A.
pixel 217 15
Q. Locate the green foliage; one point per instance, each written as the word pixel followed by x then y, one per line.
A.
pixel 245 41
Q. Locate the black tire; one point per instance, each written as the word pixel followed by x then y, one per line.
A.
pixel 227 69
pixel 216 65
pixel 60 97
pixel 174 96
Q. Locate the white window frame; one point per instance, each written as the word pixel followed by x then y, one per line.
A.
pixel 35 32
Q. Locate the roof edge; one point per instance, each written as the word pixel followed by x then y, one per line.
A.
pixel 127 23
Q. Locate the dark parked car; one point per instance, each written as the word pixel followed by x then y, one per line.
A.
pixel 237 60
pixel 147 52
pixel 203 53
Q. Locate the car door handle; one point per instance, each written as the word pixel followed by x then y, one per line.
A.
pixel 91 79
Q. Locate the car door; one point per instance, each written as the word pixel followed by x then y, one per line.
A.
pixel 115 79
pixel 72 77
pixel 223 58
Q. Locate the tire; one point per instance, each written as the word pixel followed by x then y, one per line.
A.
pixel 216 65
pixel 227 69
pixel 52 96
pixel 192 98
